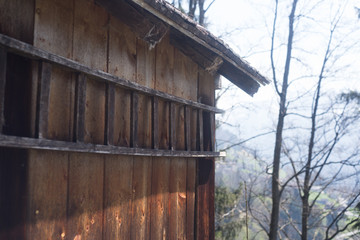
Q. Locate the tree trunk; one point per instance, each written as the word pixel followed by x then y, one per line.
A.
pixel 201 12
pixel 279 130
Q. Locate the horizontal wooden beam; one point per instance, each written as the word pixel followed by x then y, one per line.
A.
pixel 32 52
pixel 45 144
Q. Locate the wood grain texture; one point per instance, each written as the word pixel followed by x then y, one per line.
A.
pixel 79 113
pixel 53 27
pixel 58 39
pixel 110 114
pixel 47 190
pixel 145 64
pixel 90 35
pixel 190 198
pixel 85 196
pixel 134 120
pixel 35 53
pixel 43 99
pixel 159 221
pixel 90 48
pixel 144 121
pixel 185 77
pixel 141 200
pixel 122 63
pixel 122 57
pixel 145 76
pixel 17 19
pixel 61 105
pixel 34 143
pixel 155 122
pixel 177 198
pixel 118 197
pixel 122 117
pixel 95 112
pixel 164 83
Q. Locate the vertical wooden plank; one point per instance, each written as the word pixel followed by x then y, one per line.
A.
pixel 43 98
pixel 159 223
pixel 17 19
pixel 85 201
pixel 144 128
pixel 122 119
pixel 206 167
pixel 117 196
pixel 211 194
pixel 145 64
pixel 109 115
pixel 194 129
pixel 185 77
pixel 134 119
pixel 140 221
pixel 90 34
pixel 155 123
pixel 205 199
pixel 200 129
pixel 177 198
pixel 95 112
pixel 172 126
pixel 122 63
pixel 47 191
pixel 80 99
pixel 190 198
pixel 58 39
pixel 164 82
pixel 163 125
pixel 90 48
pixel 187 128
pixel 212 131
pixel 53 28
pixel 145 75
pixel 180 127
pixel 86 171
pixel 3 60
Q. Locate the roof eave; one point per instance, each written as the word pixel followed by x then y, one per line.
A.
pixel 195 41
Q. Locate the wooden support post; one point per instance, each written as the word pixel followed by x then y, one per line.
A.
pixel 80 98
pixel 110 114
pixel 212 131
pixel 187 128
pixel 43 99
pixel 201 130
pixel 155 123
pixel 3 61
pixel 134 119
pixel 172 127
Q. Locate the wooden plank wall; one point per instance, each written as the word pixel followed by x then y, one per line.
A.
pixel 92 196
pixel 16 20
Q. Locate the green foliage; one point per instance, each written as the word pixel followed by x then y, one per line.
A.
pixel 356 225
pixel 228 219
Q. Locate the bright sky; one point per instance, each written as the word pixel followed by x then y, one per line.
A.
pixel 253 21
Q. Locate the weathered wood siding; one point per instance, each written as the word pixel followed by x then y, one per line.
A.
pixel 68 195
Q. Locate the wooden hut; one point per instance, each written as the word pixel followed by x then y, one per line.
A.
pixel 107 120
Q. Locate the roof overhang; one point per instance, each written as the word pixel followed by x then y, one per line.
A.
pixel 152 19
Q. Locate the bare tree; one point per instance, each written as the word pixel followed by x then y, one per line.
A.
pixel 306 174
pixel 276 193
pixel 193 7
